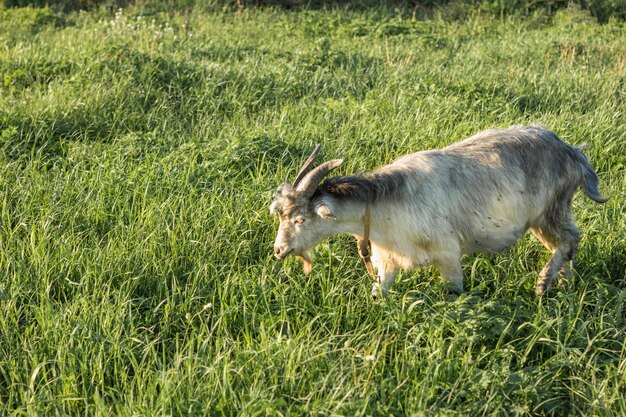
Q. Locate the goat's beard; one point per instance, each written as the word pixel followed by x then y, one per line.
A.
pixel 306 260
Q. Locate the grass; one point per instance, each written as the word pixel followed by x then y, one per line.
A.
pixel 139 153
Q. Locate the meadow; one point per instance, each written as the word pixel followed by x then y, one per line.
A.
pixel 139 150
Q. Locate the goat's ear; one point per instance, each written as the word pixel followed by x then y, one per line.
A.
pixel 324 211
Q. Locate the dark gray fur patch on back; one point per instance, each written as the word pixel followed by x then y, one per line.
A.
pixel 363 187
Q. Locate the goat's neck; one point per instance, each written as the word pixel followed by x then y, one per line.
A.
pixel 350 218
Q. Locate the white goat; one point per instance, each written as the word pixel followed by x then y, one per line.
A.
pixel 430 207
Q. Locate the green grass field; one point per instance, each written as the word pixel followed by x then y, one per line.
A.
pixel 139 152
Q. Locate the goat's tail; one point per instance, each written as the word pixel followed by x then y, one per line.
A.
pixel 590 179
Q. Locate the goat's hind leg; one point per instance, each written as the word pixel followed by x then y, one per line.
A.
pixel 563 243
pixel 565 273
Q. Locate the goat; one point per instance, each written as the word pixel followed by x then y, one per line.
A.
pixel 431 207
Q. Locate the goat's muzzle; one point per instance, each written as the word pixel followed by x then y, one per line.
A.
pixel 281 252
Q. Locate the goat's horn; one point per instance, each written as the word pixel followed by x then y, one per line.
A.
pixel 307 165
pixel 310 182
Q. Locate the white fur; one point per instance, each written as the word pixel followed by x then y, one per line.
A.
pixel 479 195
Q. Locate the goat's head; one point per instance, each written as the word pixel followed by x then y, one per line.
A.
pixel 300 218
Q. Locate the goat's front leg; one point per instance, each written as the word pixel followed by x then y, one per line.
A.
pixel 449 266
pixel 386 272
pixel 385 281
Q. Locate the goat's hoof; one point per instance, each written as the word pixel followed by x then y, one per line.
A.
pixel 455 288
pixel 565 283
pixel 378 292
pixel 543 287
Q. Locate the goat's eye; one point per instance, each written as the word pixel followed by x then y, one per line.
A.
pixel 298 220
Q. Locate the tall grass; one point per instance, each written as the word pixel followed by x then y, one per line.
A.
pixel 139 152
